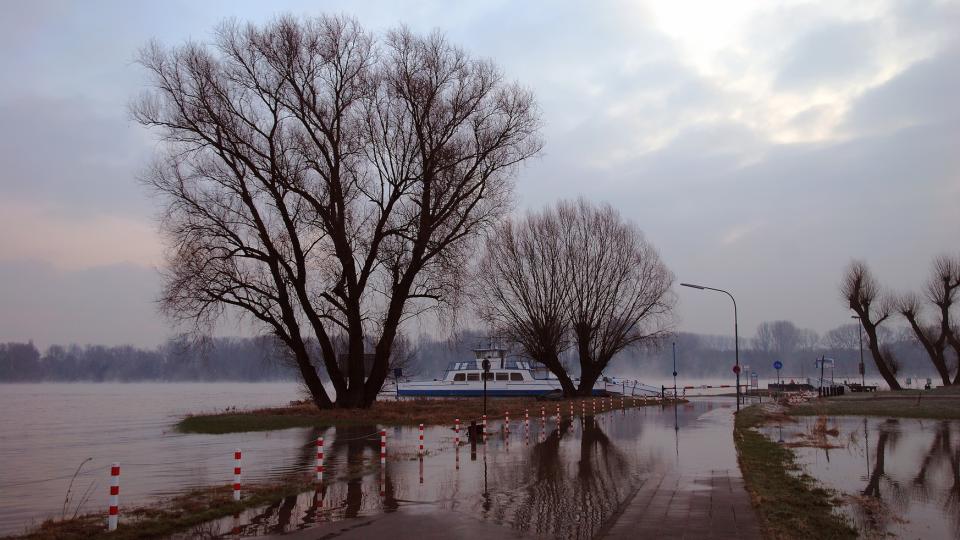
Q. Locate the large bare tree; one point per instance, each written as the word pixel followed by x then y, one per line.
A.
pixel 862 293
pixel 941 291
pixel 577 274
pixel 620 289
pixel 522 285
pixel 320 179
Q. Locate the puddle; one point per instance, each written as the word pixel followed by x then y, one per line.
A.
pixel 565 479
pixel 898 477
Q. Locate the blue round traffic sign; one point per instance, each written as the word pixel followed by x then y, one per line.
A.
pixel 778 365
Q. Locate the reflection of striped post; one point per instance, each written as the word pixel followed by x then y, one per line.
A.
pixel 507 420
pixel 320 459
pixel 421 439
pixel 543 416
pixel 114 515
pixel 383 447
pixel 456 431
pixel 571 409
pixel 236 474
pixel 558 414
pixel 526 418
pixel 594 402
pixel 583 409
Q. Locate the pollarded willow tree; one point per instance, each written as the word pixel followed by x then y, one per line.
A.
pixel 941 291
pixel 861 291
pixel 576 275
pixel 322 180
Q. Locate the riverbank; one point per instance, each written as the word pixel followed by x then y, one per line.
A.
pixel 789 504
pixel 939 404
pixel 397 413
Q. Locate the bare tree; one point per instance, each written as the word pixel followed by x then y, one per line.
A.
pixel 941 291
pixel 619 289
pixel 318 179
pixel 777 338
pixel 845 337
pixel 574 274
pixel 861 292
pixel 522 284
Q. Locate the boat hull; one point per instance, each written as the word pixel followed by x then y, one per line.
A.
pixel 470 392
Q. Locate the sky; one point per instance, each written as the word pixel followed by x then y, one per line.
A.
pixel 760 146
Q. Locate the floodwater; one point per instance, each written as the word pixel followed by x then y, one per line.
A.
pixel 566 480
pixel 560 480
pixel 48 430
pixel 897 477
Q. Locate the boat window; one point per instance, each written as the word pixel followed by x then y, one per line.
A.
pixel 503 376
pixel 460 377
pixel 488 376
pixel 473 376
pixel 516 376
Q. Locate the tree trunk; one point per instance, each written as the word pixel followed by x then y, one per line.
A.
pixel 310 378
pixel 878 359
pixel 934 350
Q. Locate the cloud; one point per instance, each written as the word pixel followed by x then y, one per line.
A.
pixel 111 304
pixel 828 54
pixel 46 232
pixel 924 93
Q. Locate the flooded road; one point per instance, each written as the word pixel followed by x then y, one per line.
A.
pixel 577 478
pixel 898 477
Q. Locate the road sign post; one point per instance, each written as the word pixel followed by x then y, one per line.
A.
pixel 778 365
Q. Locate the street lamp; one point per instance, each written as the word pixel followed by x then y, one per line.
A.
pixel 736 333
pixel 863 370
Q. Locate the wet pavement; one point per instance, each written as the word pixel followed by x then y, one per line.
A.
pixel 896 477
pixel 669 472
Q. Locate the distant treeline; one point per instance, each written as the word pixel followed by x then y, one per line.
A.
pixel 259 359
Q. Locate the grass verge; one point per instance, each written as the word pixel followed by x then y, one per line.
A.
pixel 789 505
pixel 406 412
pixel 174 515
pixel 899 406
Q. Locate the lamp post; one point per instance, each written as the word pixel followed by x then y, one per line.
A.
pixel 863 370
pixel 736 333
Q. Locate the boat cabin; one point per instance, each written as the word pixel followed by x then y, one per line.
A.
pixel 502 369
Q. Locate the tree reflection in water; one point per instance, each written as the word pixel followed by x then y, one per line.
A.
pixel 558 504
pixel 351 460
pixel 883 493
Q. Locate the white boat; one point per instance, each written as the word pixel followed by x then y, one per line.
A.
pixel 507 378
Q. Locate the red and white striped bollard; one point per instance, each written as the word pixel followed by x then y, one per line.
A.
pixel 383 447
pixel 421 439
pixel 236 474
pixel 320 459
pixel 114 515
pixel 456 431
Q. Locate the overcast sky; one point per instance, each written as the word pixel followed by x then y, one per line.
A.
pixel 760 146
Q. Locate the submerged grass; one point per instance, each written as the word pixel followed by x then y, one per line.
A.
pixel 885 404
pixel 405 412
pixel 177 514
pixel 790 505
